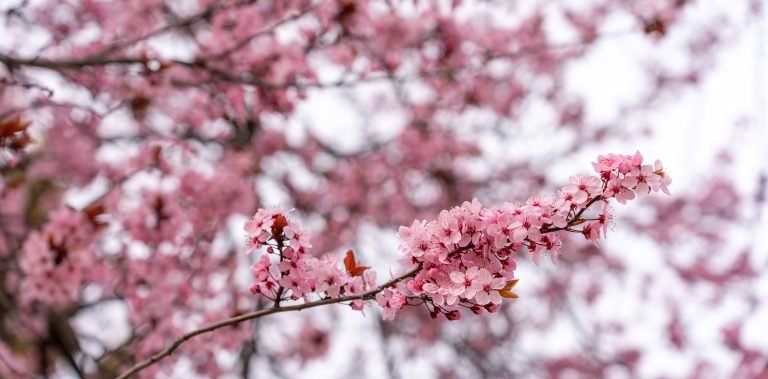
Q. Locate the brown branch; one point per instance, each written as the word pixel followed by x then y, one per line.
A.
pixel 277 308
pixel 261 313
pixel 103 58
pixel 68 64
pixel 575 219
pixel 267 30
pixel 206 14
pixel 219 74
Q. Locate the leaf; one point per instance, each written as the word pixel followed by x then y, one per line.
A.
pixel 507 290
pixel 13 134
pixel 59 249
pixel 351 265
pixel 12 126
pixel 93 213
pixel 655 27
pixel 279 224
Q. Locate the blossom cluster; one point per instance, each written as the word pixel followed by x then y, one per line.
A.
pixel 287 271
pixel 464 258
pixel 55 260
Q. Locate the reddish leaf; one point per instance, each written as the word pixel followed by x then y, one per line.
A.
pixel 351 265
pixel 93 213
pixel 655 26
pixel 12 126
pixel 507 290
pixel 279 224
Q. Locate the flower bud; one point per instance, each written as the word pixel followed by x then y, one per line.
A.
pixel 492 308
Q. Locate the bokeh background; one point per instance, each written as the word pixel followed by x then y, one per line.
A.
pixel 152 130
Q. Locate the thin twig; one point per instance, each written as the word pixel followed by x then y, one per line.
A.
pixel 576 218
pixel 265 31
pixel 261 313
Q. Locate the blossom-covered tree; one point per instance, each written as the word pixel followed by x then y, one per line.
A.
pixel 138 139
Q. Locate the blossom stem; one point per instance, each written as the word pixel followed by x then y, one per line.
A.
pixel 575 217
pixel 278 308
pixel 258 314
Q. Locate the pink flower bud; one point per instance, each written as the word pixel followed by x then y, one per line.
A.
pixel 453 315
pixel 492 308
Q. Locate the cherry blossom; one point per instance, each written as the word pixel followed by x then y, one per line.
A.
pixel 136 137
pixel 465 257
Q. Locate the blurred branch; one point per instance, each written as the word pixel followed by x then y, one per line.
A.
pixel 243 42
pixel 26 85
pixel 389 357
pixel 218 74
pixel 206 14
pixel 63 337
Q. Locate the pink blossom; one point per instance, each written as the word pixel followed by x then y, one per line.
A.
pixel 661 180
pixel 390 302
pixel 616 189
pixel 297 237
pixel 485 288
pixel 583 188
pixel 639 178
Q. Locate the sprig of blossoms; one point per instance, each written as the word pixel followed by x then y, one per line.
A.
pixel 287 271
pixel 464 258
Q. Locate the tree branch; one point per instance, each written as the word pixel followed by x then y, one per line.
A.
pixel 575 219
pixel 277 308
pixel 261 313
